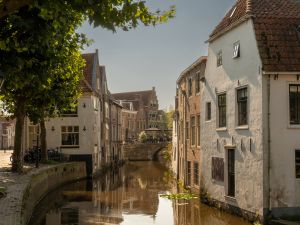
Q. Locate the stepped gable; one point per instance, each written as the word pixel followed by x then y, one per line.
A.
pixel 277 30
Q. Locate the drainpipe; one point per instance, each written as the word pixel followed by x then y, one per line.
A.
pixel 269 147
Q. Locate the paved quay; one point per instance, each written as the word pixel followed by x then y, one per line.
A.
pixel 11 204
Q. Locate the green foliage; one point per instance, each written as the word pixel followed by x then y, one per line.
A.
pixel 2 192
pixel 184 196
pixel 170 116
pixel 143 137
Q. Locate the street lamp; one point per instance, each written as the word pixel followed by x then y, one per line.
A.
pixel 1 78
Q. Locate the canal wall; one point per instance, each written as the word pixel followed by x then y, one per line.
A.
pixel 47 180
pixel 142 152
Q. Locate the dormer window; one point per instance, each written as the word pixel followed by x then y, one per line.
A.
pixel 219 58
pixel 236 50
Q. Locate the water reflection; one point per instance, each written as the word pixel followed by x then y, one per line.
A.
pixel 129 196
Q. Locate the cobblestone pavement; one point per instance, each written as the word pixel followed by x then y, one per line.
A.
pixel 15 184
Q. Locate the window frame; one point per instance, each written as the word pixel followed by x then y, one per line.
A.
pixel 297 123
pixel 208 112
pixel 197 85
pixel 196 175
pixel 238 102
pixel 219 58
pixel 297 164
pixel 198 122
pixel 224 113
pixel 190 86
pixel 236 50
pixel 193 130
pixel 73 131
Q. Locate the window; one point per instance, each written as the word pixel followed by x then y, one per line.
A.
pixel 222 110
pixel 236 50
pixel 242 106
pixel 190 83
pixel 70 113
pixel 196 173
pixel 294 103
pixel 187 130
pixel 298 31
pixel 219 59
pixel 198 130
pixel 193 130
pixel 189 173
pixel 297 163
pixel 208 111
pixel 70 135
pixel 197 82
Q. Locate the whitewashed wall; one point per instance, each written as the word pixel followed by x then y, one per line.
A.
pixel 233 74
pixel 285 188
pixel 89 140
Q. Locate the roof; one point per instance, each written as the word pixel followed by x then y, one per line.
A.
pixel 275 25
pixel 200 60
pixel 86 83
pixel 136 97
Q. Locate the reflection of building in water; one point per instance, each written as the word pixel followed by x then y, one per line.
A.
pixel 104 201
pixel 142 187
pixel 193 213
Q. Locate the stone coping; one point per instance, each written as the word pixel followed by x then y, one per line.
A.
pixel 17 206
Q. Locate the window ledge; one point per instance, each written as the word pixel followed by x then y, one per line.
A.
pixel 69 146
pixel 230 198
pixel 207 121
pixel 293 126
pixel 221 129
pixel 243 127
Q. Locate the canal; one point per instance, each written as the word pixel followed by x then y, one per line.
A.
pixel 129 196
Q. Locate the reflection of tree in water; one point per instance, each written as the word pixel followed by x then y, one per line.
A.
pixel 133 189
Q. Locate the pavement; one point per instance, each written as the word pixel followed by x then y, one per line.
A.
pixel 15 184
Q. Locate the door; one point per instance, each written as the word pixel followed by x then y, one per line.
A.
pixel 231 172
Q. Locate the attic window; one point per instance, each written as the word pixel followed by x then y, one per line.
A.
pixel 236 49
pixel 232 12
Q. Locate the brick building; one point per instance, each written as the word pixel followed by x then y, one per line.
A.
pixel 188 124
pixel 146 105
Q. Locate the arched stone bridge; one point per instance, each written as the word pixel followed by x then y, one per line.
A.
pixel 142 152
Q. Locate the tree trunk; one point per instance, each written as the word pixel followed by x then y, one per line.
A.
pixel 17 165
pixel 43 141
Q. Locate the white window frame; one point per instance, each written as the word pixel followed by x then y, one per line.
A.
pixel 73 130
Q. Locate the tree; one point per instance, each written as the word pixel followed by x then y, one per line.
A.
pixel 143 137
pixel 35 54
pixel 31 46
pixel 110 14
pixel 170 116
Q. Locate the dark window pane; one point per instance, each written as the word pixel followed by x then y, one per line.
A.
pixel 242 101
pixel 196 173
pixel 294 104
pixel 208 111
pixel 222 110
pixel 297 163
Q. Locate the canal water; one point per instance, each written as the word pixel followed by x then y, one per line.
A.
pixel 129 196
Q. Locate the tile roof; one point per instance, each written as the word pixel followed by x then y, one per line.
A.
pixel 136 97
pixel 275 24
pixel 86 83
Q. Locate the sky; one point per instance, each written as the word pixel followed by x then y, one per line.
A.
pixel 150 56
